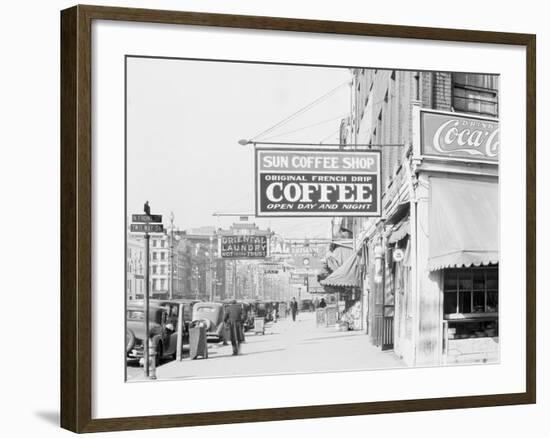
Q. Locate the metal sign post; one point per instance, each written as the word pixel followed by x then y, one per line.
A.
pixel 150 223
pixel 146 311
pixel 180 333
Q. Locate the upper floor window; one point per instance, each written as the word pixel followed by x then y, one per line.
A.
pixel 475 93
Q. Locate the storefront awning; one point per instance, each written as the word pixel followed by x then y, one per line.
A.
pixel 347 275
pixel 463 223
pixel 337 257
pixel 399 232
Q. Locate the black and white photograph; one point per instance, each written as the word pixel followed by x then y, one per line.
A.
pixel 289 219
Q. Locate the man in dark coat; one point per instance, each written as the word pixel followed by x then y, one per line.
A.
pixel 233 317
pixel 323 303
pixel 294 308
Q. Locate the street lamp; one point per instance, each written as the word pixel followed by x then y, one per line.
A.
pixel 210 270
pixel 244 142
pixel 171 278
pixel 305 262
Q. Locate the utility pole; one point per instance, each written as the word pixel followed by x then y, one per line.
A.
pixel 234 279
pixel 171 278
pixel 210 270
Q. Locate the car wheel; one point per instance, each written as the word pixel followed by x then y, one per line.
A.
pixel 130 340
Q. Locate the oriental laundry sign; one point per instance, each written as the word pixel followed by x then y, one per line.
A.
pixel 243 247
pixel 459 136
pixel 314 182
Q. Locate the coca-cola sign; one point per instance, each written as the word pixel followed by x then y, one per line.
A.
pixel 459 136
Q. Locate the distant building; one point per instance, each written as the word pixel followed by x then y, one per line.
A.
pixel 135 267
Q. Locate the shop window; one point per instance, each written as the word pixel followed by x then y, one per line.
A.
pixel 470 291
pixel 475 93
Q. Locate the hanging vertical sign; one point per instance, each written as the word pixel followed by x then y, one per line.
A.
pixel 313 182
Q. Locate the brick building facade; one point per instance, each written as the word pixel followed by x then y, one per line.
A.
pixel 432 304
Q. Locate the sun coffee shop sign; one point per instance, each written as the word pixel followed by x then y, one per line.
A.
pixel 314 182
pixel 453 135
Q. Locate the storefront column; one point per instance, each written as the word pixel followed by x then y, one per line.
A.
pixel 429 304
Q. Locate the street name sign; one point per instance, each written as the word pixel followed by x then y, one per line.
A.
pixel 314 182
pixel 147 218
pixel 146 228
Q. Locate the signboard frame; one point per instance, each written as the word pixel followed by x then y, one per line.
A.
pixel 328 213
pixel 420 135
pixel 147 228
pixel 147 218
pixel 220 246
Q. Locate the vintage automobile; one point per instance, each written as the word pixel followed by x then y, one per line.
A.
pixel 210 315
pixel 188 304
pixel 248 316
pixel 263 309
pixel 162 331
pixel 306 305
pixel 173 306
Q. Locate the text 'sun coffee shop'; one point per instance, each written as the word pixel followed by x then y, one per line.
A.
pixel 430 274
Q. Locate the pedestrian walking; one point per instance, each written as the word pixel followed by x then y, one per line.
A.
pixel 233 318
pixel 294 308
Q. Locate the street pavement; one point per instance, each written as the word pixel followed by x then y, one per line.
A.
pixel 287 347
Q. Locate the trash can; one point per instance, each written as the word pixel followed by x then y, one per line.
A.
pixel 282 310
pixel 332 315
pixel 197 342
pixel 321 317
pixel 259 325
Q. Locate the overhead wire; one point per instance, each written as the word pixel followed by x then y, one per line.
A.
pixel 300 111
pixel 304 127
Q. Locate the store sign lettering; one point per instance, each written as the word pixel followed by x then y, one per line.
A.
pixel 459 136
pixel 291 182
pixel 243 247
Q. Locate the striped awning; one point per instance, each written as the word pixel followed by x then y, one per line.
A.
pixel 399 232
pixel 347 275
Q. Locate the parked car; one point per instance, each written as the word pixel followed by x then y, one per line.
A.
pixel 210 315
pixel 248 316
pixel 306 305
pixel 263 309
pixel 188 304
pixel 173 306
pixel 162 331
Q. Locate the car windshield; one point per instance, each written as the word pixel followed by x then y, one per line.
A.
pixel 137 315
pixel 206 309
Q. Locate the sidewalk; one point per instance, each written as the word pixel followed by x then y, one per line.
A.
pixel 287 347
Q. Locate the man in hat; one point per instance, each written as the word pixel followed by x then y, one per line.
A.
pixel 294 308
pixel 233 317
